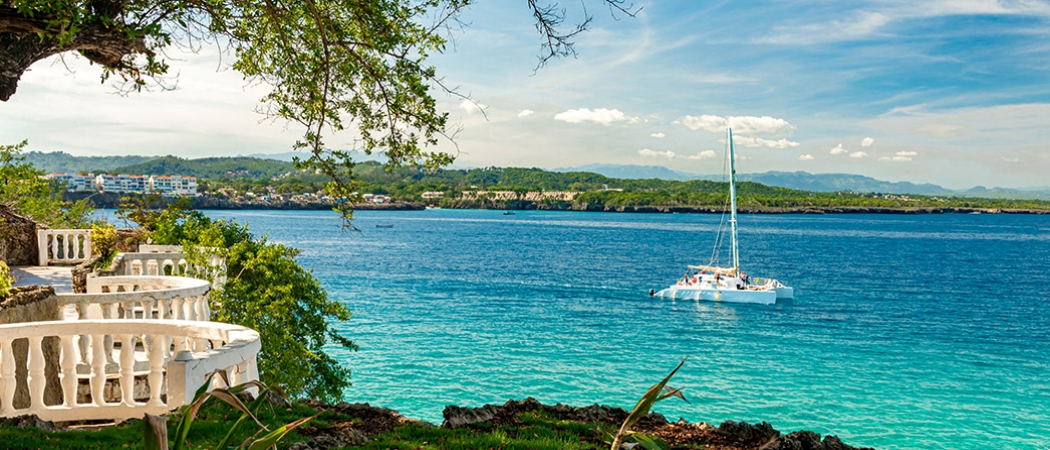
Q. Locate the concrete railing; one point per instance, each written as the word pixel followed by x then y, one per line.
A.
pixel 155 366
pixel 153 263
pixel 141 297
pixel 63 246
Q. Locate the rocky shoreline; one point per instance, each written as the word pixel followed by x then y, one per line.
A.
pixel 729 435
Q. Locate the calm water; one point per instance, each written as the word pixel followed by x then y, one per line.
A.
pixel 906 331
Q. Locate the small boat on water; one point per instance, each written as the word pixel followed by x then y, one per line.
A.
pixel 714 283
pixel 508 213
pixel 385 225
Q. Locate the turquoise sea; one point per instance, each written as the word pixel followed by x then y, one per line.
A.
pixel 906 331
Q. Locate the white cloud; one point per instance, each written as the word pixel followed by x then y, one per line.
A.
pixel 941 130
pixel 1010 160
pixel 867 142
pixel 742 125
pixel 857 155
pixel 659 135
pixel 907 154
pixel 706 154
pixel 600 115
pixel 471 107
pixel 838 150
pixel 895 158
pixel 752 142
pixel 653 153
pixel 806 157
pixel 526 113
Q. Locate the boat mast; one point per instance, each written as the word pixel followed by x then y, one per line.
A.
pixel 732 199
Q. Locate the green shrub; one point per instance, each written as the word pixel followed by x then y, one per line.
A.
pixel 6 281
pixel 104 243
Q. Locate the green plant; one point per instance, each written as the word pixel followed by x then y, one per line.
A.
pixel 22 186
pixel 6 281
pixel 155 428
pixel 654 394
pixel 104 243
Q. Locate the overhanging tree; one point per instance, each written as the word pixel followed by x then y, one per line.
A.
pixel 331 64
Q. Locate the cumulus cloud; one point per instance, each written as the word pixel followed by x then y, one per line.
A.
pixel 838 150
pixel 525 113
pixel 654 153
pixel 907 154
pixel 806 157
pixel 659 135
pixel 742 125
pixel 471 107
pixel 752 142
pixel 857 155
pixel 706 154
pixel 600 115
pixel 895 158
pixel 867 142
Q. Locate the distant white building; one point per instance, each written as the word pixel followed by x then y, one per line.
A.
pixel 75 182
pixel 173 185
pixel 433 194
pixel 121 183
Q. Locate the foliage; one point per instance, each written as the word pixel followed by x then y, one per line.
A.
pixel 6 281
pixel 220 167
pixel 654 394
pixel 21 185
pixel 104 243
pixel 266 290
pixel 155 427
pixel 329 65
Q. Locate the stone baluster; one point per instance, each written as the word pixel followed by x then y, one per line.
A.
pixel 36 381
pixel 7 378
pixel 127 369
pixel 69 372
pixel 156 369
pixel 98 369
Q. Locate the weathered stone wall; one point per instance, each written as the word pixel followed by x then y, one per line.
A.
pixel 17 239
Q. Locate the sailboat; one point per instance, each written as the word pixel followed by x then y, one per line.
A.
pixel 726 284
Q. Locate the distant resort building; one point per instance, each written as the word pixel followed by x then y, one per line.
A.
pixel 533 196
pixel 166 185
pixel 433 194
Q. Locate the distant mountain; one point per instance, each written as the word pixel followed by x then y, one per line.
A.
pixel 237 166
pixel 287 156
pixel 64 162
pixel 834 182
pixel 632 172
pixel 823 182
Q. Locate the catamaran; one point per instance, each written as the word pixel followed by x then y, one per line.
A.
pixel 726 284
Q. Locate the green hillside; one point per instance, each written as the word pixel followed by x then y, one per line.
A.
pixel 212 168
pixel 64 162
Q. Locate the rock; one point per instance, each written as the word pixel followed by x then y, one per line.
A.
pixel 457 416
pixel 339 438
pixel 28 421
pixel 742 431
pixel 808 440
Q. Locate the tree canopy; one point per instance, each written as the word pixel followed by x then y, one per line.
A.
pixel 330 64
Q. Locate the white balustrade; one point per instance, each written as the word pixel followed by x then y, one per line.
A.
pixel 146 263
pixel 141 297
pixel 63 246
pixel 138 374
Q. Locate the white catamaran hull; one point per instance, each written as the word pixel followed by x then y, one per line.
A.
pixel 718 295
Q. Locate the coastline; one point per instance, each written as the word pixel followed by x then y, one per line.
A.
pixel 112 200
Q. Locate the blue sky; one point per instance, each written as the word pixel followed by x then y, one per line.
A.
pixel 950 92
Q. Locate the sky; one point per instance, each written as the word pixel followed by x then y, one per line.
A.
pixel 955 93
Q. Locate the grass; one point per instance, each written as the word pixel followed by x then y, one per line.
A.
pixel 534 430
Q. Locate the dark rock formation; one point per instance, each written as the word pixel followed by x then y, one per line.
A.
pixel 808 440
pixel 17 238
